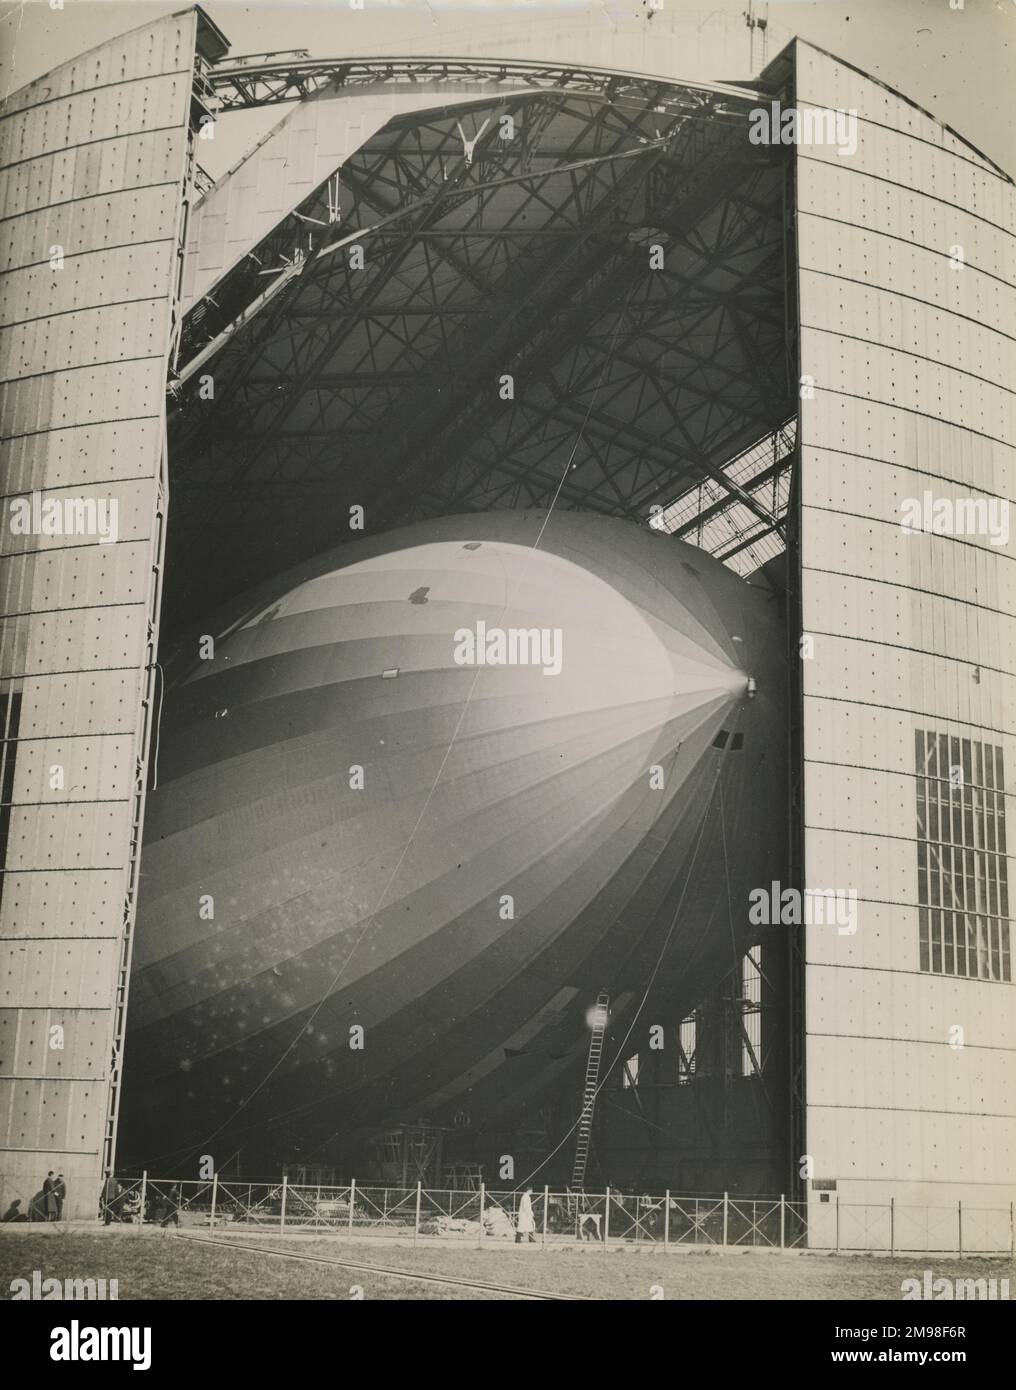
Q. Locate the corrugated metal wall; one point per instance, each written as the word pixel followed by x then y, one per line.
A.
pixel 913 360
pixel 94 159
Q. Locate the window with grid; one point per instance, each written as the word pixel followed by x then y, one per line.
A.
pixel 963 890
pixel 686 1039
pixel 751 1014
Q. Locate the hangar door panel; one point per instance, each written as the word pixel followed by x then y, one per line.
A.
pixel 910 759
pixel 94 165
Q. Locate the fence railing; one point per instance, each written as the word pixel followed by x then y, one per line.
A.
pixel 608 1219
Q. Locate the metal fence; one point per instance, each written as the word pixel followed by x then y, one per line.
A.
pixel 609 1219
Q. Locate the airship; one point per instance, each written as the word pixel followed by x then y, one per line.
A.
pixel 420 801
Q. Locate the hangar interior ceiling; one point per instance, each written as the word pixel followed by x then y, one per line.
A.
pixel 486 257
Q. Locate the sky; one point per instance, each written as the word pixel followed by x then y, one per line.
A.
pixel 956 58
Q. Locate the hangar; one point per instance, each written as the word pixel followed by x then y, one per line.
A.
pixel 451 287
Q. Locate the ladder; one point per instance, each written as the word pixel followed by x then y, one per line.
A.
pixel 598 1022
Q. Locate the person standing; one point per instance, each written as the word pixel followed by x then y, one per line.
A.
pixel 525 1221
pixel 49 1197
pixel 172 1216
pixel 60 1194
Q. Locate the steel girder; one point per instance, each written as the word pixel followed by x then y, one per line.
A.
pixel 274 79
pixel 379 387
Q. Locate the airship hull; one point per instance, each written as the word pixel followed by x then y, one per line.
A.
pixel 425 798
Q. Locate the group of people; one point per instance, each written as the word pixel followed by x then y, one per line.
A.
pixel 119 1204
pixel 46 1205
pixel 116 1204
pixel 50 1201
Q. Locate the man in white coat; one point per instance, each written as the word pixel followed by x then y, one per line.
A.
pixel 525 1221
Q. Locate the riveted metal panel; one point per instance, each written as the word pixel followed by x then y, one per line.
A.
pixel 90 576
pixel 88 281
pixel 83 118
pixel 25 1049
pixel 41 904
pixel 899 158
pixel 58 183
pixel 876 373
pixel 870 204
pixel 60 974
pixel 975 573
pixel 60 1117
pixel 91 702
pixel 874 314
pixel 138 214
pixel 151 50
pixel 908 312
pixel 93 770
pixel 95 163
pixel 915 1004
pixel 840 89
pixel 925 1075
pixel 78 455
pixel 917 682
pixel 113 332
pixel 69 835
pixel 881 487
pixel 87 395
pixel 875 258
pixel 903 617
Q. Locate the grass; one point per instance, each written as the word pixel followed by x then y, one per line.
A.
pixel 156 1265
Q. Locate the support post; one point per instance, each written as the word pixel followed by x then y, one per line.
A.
pixel 144 1197
pixel 892 1225
pixel 416 1227
pixel 783 1221
pixel 352 1204
pixel 606 1220
pixel 546 1203
pixel 215 1198
pixel 282 1214
pixel 837 1223
pixel 1012 1231
pixel 959 1225
pixel 726 1217
pixel 666 1221
pixel 483 1197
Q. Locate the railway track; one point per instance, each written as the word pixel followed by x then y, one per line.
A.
pixel 412 1276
